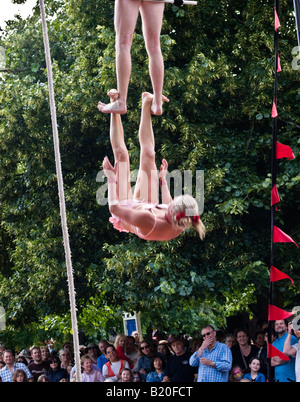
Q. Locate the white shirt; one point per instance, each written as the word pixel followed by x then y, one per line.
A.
pixel 297 362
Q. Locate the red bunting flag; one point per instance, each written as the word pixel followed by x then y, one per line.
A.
pixel 277 22
pixel 273 352
pixel 280 237
pixel 274 195
pixel 278 64
pixel 277 275
pixel 274 110
pixel 276 313
pixel 284 151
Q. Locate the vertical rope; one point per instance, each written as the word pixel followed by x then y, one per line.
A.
pixel 61 194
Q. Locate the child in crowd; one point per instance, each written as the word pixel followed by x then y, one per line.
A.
pixel 254 374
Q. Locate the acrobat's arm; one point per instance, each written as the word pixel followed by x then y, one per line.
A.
pixel 142 219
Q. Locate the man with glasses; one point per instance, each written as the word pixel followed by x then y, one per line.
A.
pixel 213 359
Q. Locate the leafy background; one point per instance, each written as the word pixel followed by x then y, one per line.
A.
pixel 219 69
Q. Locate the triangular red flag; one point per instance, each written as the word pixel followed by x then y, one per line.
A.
pixel 276 313
pixel 277 275
pixel 274 110
pixel 284 151
pixel 278 64
pixel 277 22
pixel 272 352
pixel 280 237
pixel 274 195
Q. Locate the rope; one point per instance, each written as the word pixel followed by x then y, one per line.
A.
pixel 61 194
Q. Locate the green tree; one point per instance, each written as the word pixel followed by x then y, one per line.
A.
pixel 219 76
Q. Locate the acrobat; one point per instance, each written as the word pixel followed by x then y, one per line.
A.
pixel 139 211
pixel 125 19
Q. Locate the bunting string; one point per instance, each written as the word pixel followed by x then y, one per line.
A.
pixel 279 151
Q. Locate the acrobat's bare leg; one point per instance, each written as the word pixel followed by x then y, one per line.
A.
pixel 147 181
pixel 152 16
pixel 126 15
pixel 120 152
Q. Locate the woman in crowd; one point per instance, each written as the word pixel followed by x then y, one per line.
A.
pixel 243 351
pixel 145 360
pixel 113 368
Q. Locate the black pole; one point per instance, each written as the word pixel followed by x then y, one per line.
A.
pixel 274 179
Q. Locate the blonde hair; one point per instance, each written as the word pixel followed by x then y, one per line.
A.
pixel 118 338
pixel 189 208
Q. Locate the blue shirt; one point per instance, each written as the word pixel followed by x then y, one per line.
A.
pixel 259 378
pixel 285 372
pixel 219 354
pixel 154 377
pixel 7 376
pixel 101 361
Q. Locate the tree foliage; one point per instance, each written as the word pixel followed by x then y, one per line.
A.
pixel 219 67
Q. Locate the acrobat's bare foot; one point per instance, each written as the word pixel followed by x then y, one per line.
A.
pixel 156 107
pixel 116 105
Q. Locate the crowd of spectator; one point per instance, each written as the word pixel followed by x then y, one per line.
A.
pixel 214 356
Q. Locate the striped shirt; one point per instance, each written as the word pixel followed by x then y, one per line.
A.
pixel 221 355
pixel 7 376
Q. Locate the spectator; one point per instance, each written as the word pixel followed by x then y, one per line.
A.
pixel 213 358
pixel 178 368
pixel 145 359
pixel 113 368
pixel 293 350
pixel 132 352
pixel 136 376
pixel 89 374
pixel 262 355
pixel 284 371
pixel 120 343
pixel 45 353
pixel 19 376
pixel 65 358
pixel 93 351
pixel 38 366
pixel 136 336
pixel 164 349
pixel 27 355
pixel 102 358
pixel 158 369
pixel 230 340
pixel 43 378
pixel 126 375
pixel 55 372
pixel 236 374
pixel 259 339
pixel 243 351
pixel 254 374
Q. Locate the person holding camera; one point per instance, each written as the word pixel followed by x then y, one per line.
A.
pixel 293 350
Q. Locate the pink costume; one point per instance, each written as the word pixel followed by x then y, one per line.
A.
pixel 133 203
